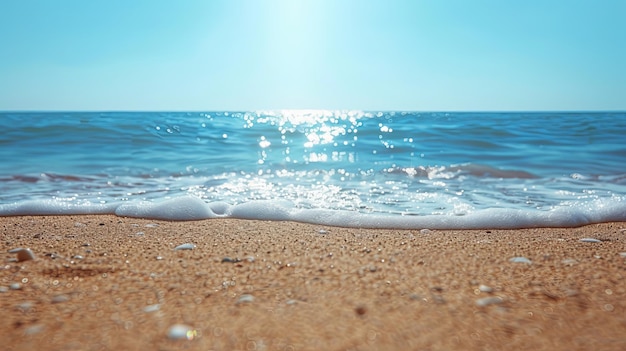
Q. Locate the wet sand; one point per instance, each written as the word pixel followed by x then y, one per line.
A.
pixel 112 283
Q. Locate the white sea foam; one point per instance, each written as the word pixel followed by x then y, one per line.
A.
pixel 187 208
pixel 54 207
pixel 184 208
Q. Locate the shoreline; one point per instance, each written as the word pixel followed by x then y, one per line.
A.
pixel 108 282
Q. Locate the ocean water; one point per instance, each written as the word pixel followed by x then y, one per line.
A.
pixel 347 168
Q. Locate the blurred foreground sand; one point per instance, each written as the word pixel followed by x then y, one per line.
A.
pixel 112 283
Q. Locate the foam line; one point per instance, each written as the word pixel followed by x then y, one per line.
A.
pixel 186 208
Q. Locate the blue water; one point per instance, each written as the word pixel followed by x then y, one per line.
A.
pixel 376 169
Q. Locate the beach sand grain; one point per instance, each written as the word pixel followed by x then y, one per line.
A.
pixel 106 282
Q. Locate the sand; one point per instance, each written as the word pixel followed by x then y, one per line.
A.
pixel 113 283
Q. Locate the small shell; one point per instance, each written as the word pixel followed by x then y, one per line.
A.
pixel 485 288
pixel 520 260
pixel 245 298
pixel 486 301
pixel 23 254
pixel 187 246
pixel 152 308
pixel 590 240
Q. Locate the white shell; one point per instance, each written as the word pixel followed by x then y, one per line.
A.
pixel 590 240
pixel 245 298
pixel 187 246
pixel 520 260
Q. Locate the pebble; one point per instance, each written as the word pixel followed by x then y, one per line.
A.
pixel 425 231
pixel 23 254
pixel 152 308
pixel 15 286
pixel 181 331
pixel 569 261
pixel 520 260
pixel 485 288
pixel 34 329
pixel 151 225
pixel 623 254
pixel 322 231
pixel 25 306
pixel 187 246
pixel 486 301
pixel 245 298
pixel 590 240
pixel 60 298
pixel 230 260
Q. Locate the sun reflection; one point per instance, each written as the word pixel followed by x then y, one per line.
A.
pixel 319 126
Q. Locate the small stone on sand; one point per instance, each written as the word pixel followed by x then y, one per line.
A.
pixel 25 306
pixel 181 331
pixel 245 298
pixel 34 329
pixel 60 298
pixel 520 260
pixel 485 288
pixel 152 308
pixel 590 240
pixel 569 261
pixel 486 301
pixel 23 254
pixel 187 246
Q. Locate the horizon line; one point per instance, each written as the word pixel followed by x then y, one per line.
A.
pixel 306 109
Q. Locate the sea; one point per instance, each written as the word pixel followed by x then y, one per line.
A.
pixel 369 169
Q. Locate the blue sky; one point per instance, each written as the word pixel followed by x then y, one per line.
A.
pixel 424 55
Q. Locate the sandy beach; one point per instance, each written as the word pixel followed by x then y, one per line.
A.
pixel 113 283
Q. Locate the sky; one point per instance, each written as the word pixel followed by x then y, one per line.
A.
pixel 208 55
